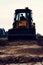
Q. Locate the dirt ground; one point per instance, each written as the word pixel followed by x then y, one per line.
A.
pixel 21 48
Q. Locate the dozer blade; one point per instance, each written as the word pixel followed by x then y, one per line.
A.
pixel 21 34
pixel 21 37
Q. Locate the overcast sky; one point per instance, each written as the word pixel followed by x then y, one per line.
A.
pixel 7 9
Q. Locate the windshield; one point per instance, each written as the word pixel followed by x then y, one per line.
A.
pixel 20 15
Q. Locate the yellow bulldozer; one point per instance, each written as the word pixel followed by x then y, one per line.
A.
pixel 23 26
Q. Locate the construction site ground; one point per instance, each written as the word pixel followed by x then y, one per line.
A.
pixel 20 51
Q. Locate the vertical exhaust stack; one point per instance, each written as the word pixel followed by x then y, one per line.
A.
pixel 23 26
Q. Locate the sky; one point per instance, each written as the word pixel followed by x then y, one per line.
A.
pixel 7 9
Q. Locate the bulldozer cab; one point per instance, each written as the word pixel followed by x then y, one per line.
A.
pixel 23 18
pixel 23 14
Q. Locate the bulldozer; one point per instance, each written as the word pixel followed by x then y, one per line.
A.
pixel 23 26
